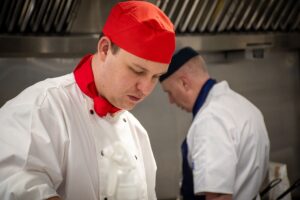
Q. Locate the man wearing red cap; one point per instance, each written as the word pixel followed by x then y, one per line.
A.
pixel 71 137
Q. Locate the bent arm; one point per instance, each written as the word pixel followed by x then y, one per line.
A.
pixel 29 163
pixel 214 158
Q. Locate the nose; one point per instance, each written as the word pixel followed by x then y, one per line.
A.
pixel 145 86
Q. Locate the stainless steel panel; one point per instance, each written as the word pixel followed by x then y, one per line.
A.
pixel 34 15
pixel 212 16
pixel 48 21
pixel 164 5
pixel 60 13
pixel 232 42
pixel 297 23
pixel 196 16
pixel 28 14
pixel 180 14
pixel 172 10
pixel 22 14
pixel 287 6
pixel 257 13
pixel 71 46
pixel 72 15
pixel 91 22
pixel 251 13
pixel 228 15
pixel 157 3
pixel 48 46
pixel 15 13
pixel 293 12
pixel 64 15
pixel 211 6
pixel 264 15
pixel 39 16
pixel 190 12
pixel 218 14
pixel 3 11
pixel 195 22
pixel 237 13
pixel 275 14
pixel 245 14
pixel 46 18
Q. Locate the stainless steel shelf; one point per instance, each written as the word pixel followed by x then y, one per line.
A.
pixel 78 45
pixel 233 42
pixel 48 46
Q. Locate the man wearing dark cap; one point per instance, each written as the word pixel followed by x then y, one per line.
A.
pixel 226 151
pixel 71 137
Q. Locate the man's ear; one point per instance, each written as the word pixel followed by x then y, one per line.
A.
pixel 104 45
pixel 185 83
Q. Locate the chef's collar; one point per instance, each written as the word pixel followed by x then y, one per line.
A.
pixel 203 95
pixel 85 80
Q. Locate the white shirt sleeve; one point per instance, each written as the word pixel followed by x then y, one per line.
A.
pixel 213 156
pixel 31 152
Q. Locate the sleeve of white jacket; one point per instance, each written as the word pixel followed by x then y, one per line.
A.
pixel 213 155
pixel 32 149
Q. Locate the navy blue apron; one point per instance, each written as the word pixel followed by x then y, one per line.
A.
pixel 187 184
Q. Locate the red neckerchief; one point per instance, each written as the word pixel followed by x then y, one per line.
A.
pixel 85 80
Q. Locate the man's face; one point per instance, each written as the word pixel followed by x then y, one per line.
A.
pixel 127 79
pixel 177 93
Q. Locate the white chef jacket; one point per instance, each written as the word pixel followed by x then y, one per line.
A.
pixel 228 145
pixel 52 143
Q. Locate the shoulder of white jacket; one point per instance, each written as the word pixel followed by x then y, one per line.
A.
pixel 37 93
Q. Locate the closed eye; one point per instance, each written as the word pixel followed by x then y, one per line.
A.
pixel 137 71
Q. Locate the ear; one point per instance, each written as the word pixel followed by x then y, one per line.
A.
pixel 185 83
pixel 103 47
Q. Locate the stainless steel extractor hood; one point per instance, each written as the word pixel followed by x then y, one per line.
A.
pixel 221 16
pixel 37 16
pixel 222 25
pixel 71 27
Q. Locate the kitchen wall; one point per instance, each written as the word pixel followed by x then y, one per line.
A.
pixel 271 82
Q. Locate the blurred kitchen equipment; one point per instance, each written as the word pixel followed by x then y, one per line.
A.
pixel 295 185
pixel 272 184
pixel 279 170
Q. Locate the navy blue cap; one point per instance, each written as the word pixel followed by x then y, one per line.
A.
pixel 179 58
